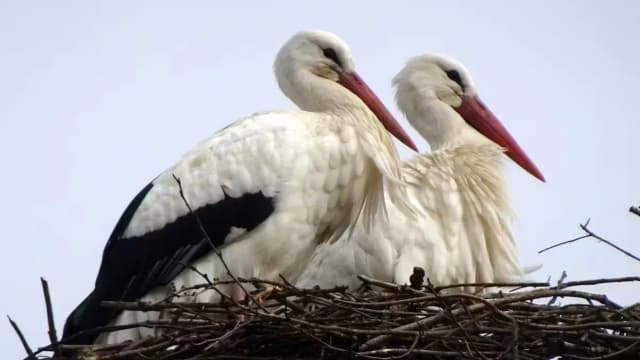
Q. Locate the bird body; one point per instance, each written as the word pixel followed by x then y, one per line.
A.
pixel 460 206
pixel 461 231
pixel 326 177
pixel 267 189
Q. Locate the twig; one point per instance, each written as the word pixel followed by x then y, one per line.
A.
pixel 598 281
pixel 437 353
pixel 200 273
pixel 447 309
pixel 586 229
pixel 383 284
pixel 564 243
pixel 53 336
pixel 497 284
pixel 239 325
pixel 25 345
pixel 127 354
pixel 213 246
pixel 589 234
pixel 211 285
pixel 324 343
pixel 563 276
pixel 201 226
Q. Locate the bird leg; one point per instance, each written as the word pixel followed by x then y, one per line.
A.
pixel 264 292
pixel 238 296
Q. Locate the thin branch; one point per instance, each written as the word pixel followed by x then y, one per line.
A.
pixel 564 243
pixel 25 345
pixel 560 281
pixel 591 234
pixel 598 281
pixel 497 284
pixel 586 229
pixel 612 355
pixel 213 246
pixel 324 343
pixel 200 225
pixel 447 309
pixel 53 335
pixel 204 276
pixel 371 281
pixel 210 285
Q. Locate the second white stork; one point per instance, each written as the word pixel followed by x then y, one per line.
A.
pixel 462 231
pixel 267 188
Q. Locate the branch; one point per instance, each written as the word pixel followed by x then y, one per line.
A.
pixel 213 246
pixel 25 345
pixel 53 336
pixel 383 284
pixel 495 284
pixel 591 234
pixel 560 281
pixel 598 281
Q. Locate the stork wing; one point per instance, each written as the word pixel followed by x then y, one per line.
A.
pixel 230 181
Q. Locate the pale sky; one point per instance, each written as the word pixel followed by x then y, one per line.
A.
pixel 98 97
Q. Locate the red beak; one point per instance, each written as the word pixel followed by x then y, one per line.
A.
pixel 476 114
pixel 354 83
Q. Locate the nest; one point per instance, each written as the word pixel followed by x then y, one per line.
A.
pixel 386 321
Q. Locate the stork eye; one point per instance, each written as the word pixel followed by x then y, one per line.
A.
pixel 455 76
pixel 329 53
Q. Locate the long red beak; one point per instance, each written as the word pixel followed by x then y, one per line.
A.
pixel 476 114
pixel 354 83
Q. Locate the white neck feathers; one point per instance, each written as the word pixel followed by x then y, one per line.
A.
pixel 486 213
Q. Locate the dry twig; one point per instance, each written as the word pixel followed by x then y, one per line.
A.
pixel 23 341
pixel 591 234
pixel 53 336
pixel 213 246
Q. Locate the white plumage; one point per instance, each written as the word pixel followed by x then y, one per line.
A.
pixel 269 188
pixel 461 233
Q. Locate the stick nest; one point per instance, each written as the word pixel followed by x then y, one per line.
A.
pixel 385 321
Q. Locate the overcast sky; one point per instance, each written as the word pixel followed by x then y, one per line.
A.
pixel 97 97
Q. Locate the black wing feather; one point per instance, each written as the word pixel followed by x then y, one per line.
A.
pixel 133 266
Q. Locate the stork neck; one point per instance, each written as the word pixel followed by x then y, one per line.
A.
pixel 313 93
pixel 458 137
pixel 443 127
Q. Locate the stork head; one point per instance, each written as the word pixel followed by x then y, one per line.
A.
pixel 438 96
pixel 315 70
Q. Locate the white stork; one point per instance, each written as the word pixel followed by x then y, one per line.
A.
pixel 268 189
pixel 462 231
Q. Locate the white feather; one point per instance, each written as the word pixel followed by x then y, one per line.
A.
pixel 461 231
pixel 320 165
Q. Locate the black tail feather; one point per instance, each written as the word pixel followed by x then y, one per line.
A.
pixel 86 316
